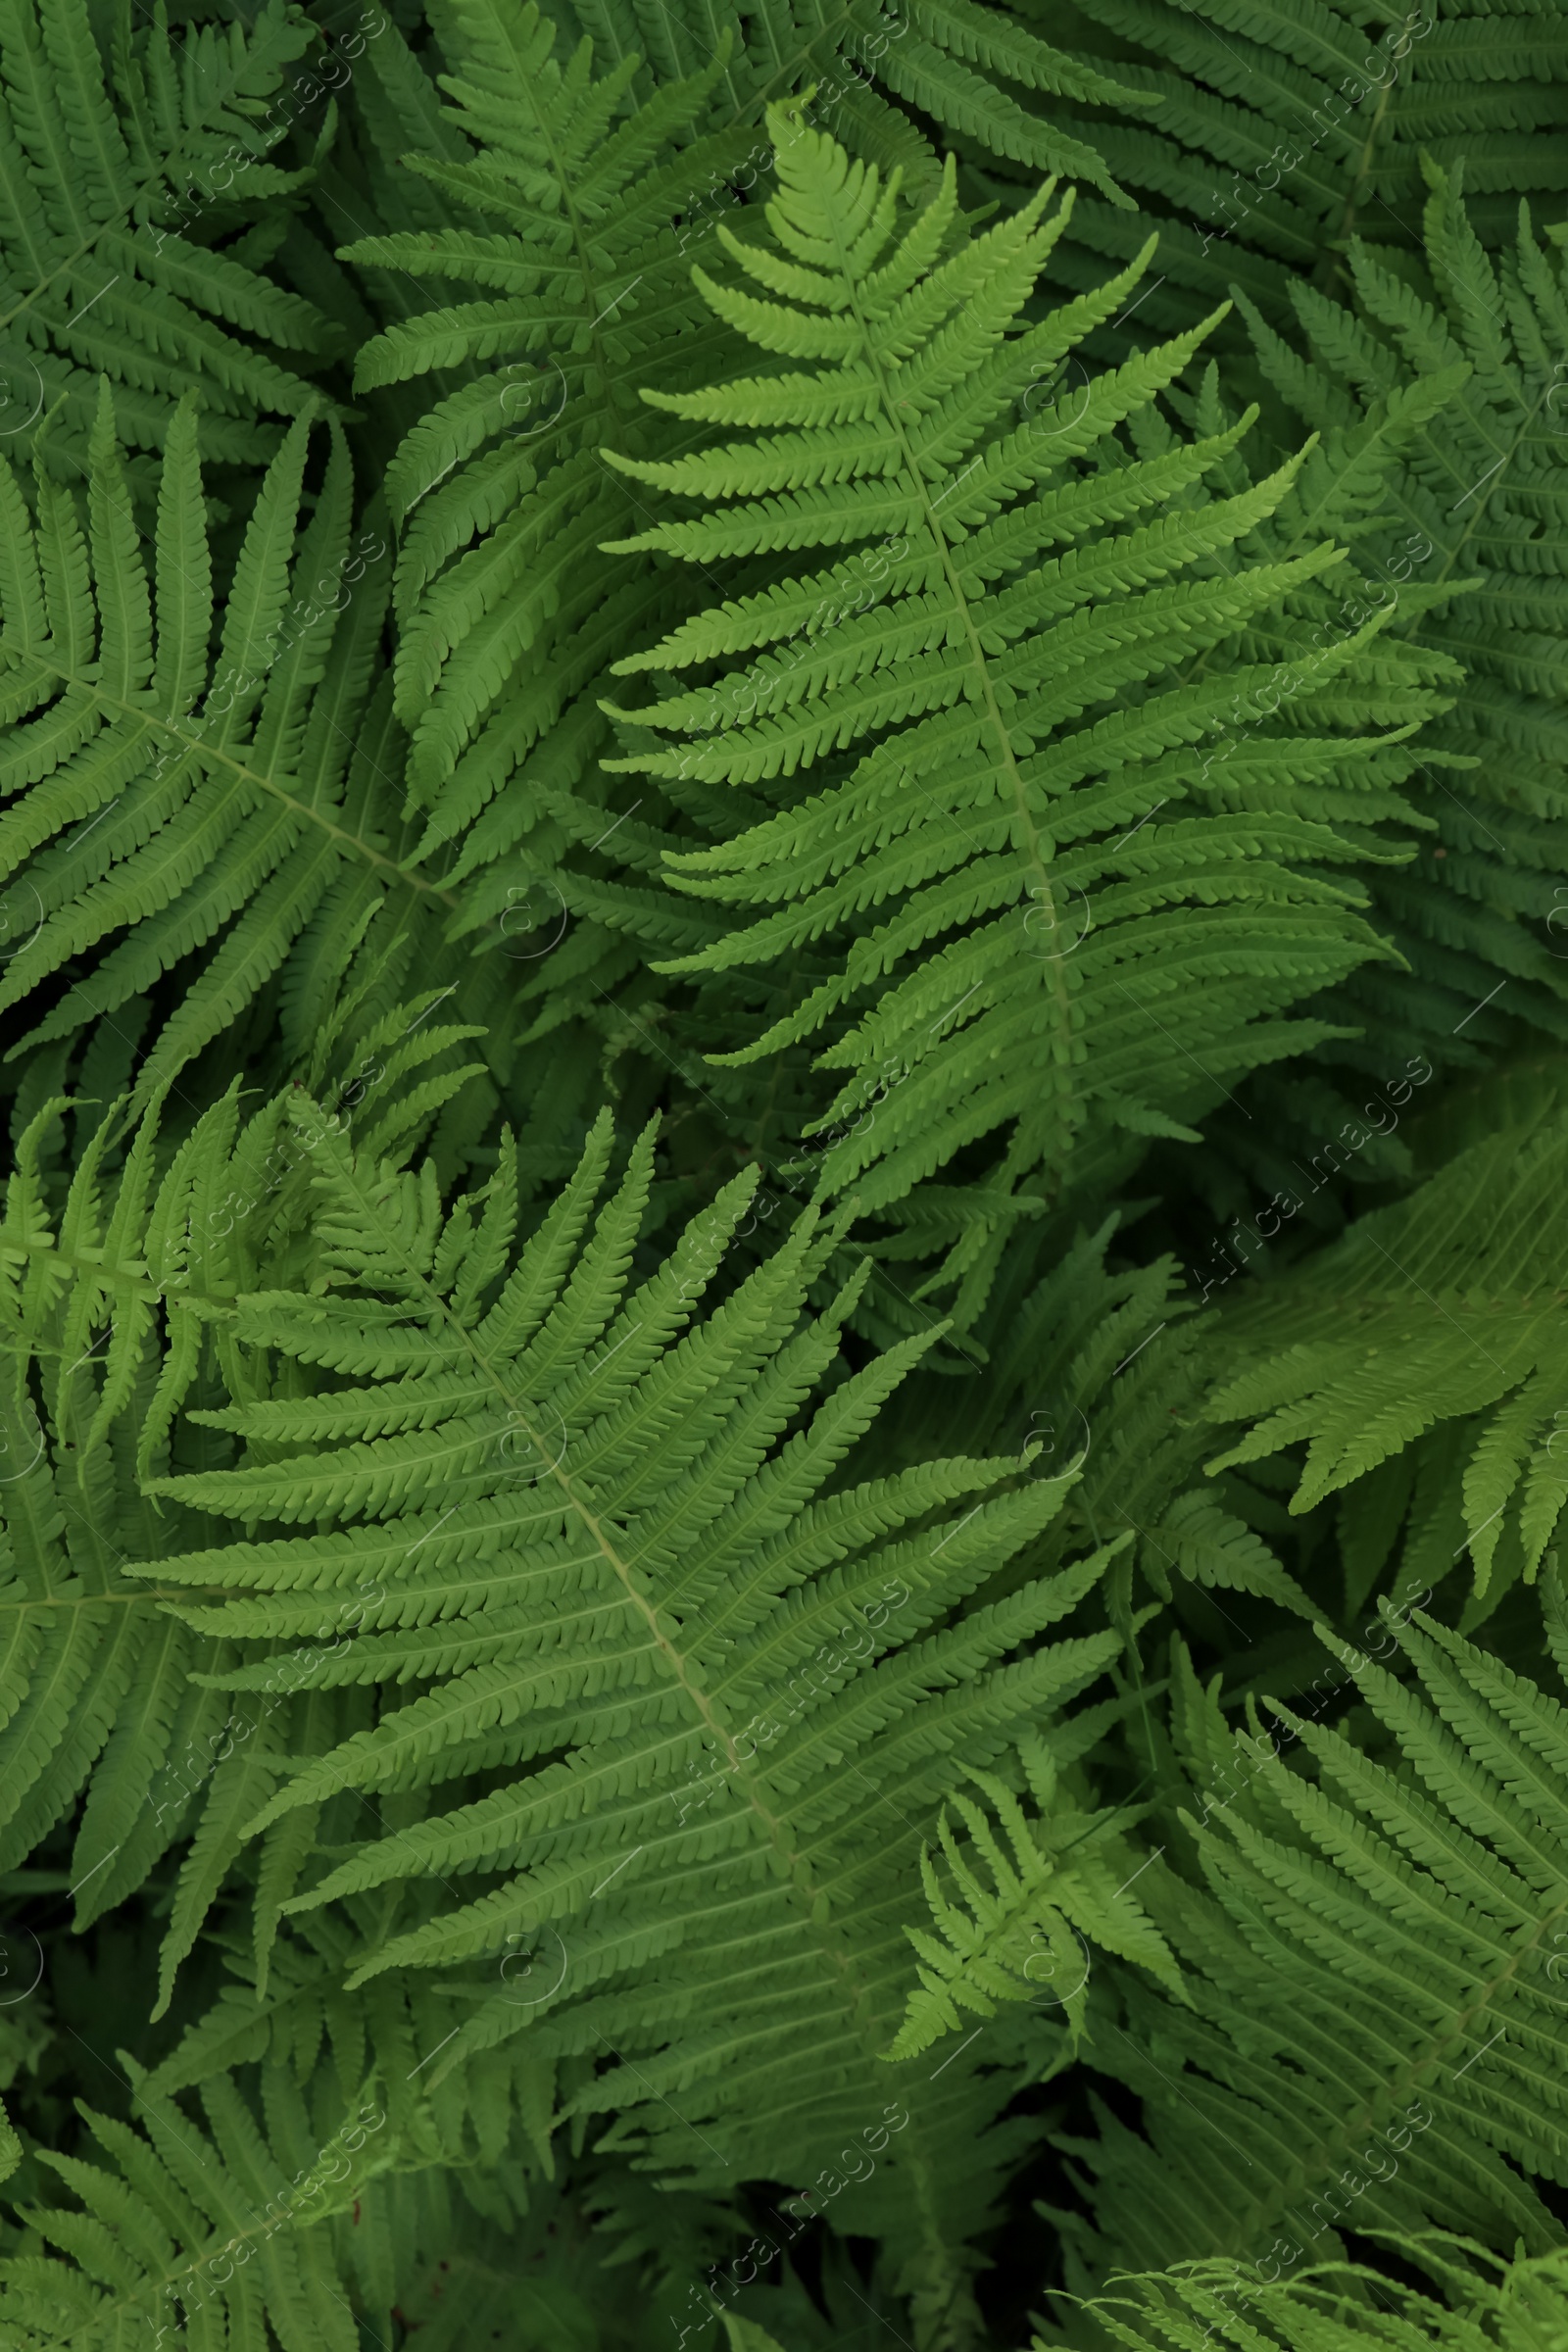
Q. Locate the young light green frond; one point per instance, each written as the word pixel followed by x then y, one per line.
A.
pixel 1024 1913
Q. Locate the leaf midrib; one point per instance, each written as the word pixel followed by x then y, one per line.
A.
pixel 258 779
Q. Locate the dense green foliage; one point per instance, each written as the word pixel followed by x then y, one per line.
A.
pixel 784 1061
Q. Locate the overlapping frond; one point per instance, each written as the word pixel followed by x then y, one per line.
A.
pixel 103 1300
pixel 191 2237
pixel 138 213
pixel 1337 2307
pixel 116 1301
pixel 223 798
pixel 537 1682
pixel 977 69
pixel 1376 2031
pixel 1423 1360
pixel 721 1702
pixel 1268 136
pixel 1448 379
pixel 569 199
pixel 1022 1931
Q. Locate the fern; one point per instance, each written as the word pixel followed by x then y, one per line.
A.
pixel 1267 138
pixel 1339 2306
pixel 1036 941
pixel 97 1692
pixel 1423 1361
pixel 1473 496
pixel 168 798
pixel 499 492
pixel 125 164
pixel 654 712
pixel 582 1540
pixel 974 69
pixel 1371 1972
pixel 1006 1940
pixel 165 2233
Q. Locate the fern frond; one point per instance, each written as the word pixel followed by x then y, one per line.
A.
pixel 1470 493
pixel 1268 138
pixel 1375 2032
pixel 1342 2306
pixel 722 1700
pixel 163 2235
pixel 1436 1325
pixel 166 798
pixel 1007 1939
pixel 569 201
pixel 102 1315
pixel 122 172
pixel 1048 924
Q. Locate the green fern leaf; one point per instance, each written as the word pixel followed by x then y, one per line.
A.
pixel 995 750
pixel 1370 1976
pixel 586 1535
pixel 1007 1939
pixel 164 799
pixel 119 181
pixel 1444 1310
